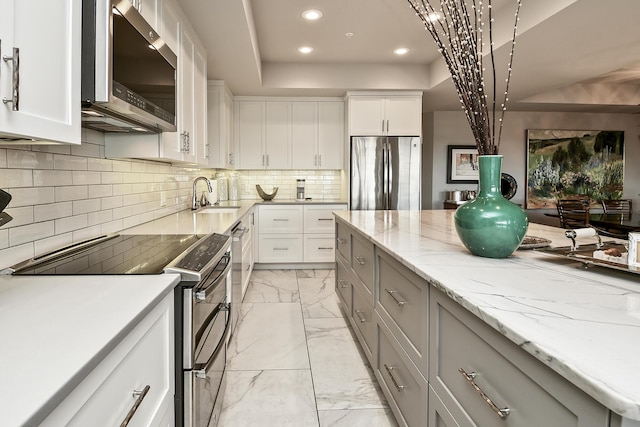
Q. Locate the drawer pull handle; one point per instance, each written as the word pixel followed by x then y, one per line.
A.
pixel 325 219
pixel 395 383
pixel 396 298
pixel 15 91
pixel 501 412
pixel 343 285
pixel 281 219
pixel 341 240
pixel 280 249
pixel 139 395
pixel 361 318
pixel 326 248
pixel 361 260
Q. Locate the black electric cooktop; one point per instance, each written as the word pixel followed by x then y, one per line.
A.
pixel 132 254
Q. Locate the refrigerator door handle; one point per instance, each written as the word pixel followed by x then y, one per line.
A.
pixel 385 185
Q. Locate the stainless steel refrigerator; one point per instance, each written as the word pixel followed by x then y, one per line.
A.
pixel 385 173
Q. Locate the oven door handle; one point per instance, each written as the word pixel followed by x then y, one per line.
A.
pixel 201 294
pixel 200 369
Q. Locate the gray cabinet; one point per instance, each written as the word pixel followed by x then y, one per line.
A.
pixel 437 363
pixel 466 356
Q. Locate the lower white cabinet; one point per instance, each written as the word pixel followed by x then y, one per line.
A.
pixel 144 359
pixel 297 233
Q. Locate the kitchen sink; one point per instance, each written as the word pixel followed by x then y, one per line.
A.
pixel 218 210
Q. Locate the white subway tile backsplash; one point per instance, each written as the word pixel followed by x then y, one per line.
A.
pixel 111 202
pixel 73 192
pixel 23 159
pixel 85 177
pixel 70 223
pixel 52 211
pixel 63 194
pixel 31 196
pixel 30 233
pixel 51 178
pixel 85 206
pixel 21 216
pixel 16 178
pixel 63 162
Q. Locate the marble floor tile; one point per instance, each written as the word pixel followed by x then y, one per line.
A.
pixel 357 418
pixel 342 379
pixel 318 297
pixel 269 398
pixel 307 274
pixel 269 336
pixel 272 286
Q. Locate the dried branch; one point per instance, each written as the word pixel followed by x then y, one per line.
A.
pixel 457 30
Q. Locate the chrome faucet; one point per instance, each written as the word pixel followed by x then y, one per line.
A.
pixel 194 200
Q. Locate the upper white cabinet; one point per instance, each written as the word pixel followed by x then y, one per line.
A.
pixel 150 11
pixel 396 115
pixel 263 134
pixel 289 133
pixel 40 79
pixel 318 134
pixel 187 144
pixel 220 125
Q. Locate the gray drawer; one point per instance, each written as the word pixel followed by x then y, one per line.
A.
pixel 403 303
pixel 364 322
pixel 343 241
pixel 403 385
pixel 509 376
pixel 343 285
pixel 362 260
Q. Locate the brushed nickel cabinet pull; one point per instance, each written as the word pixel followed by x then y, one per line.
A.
pixel 342 283
pixel 325 219
pixel 15 90
pixel 361 318
pixel 360 260
pixel 281 219
pixel 470 377
pixel 325 248
pixel 396 297
pixel 140 395
pixel 395 383
pixel 319 159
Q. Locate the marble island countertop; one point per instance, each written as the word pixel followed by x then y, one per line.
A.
pixel 585 325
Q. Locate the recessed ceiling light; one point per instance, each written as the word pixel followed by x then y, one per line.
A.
pixel 348 35
pixel 311 14
pixel 401 51
pixel 305 49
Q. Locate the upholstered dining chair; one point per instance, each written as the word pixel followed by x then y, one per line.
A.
pixel 573 213
pixel 616 205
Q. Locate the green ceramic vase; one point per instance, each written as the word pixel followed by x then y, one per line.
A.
pixel 490 225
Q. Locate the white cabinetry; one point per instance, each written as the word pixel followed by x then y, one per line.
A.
pixel 397 115
pixel 41 80
pixel 220 125
pixel 145 357
pixel 318 134
pixel 263 132
pixel 297 233
pixel 150 11
pixel 187 144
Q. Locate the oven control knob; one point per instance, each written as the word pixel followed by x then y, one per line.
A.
pixel 200 296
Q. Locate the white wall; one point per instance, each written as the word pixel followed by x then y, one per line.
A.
pixel 451 128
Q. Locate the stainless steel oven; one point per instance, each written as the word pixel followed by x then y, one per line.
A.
pixel 203 327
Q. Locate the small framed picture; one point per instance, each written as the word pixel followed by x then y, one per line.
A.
pixel 462 164
pixel 633 258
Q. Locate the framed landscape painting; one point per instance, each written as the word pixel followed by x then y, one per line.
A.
pixel 568 163
pixel 462 164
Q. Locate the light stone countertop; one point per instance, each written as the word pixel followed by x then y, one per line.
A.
pixel 204 220
pixel 585 325
pixel 55 329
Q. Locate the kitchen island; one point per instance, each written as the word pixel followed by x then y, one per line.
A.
pixel 580 326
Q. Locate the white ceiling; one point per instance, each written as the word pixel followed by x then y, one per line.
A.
pixel 571 55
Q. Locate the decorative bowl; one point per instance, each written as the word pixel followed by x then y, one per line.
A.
pixel 264 195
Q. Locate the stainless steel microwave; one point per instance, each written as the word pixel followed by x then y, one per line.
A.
pixel 128 72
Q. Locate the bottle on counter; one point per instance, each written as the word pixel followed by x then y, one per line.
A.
pixel 234 186
pixel 223 187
